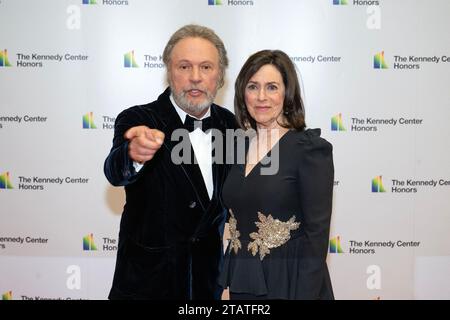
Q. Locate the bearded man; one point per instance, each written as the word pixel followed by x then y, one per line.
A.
pixel 170 238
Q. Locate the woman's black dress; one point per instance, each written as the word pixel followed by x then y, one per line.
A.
pixel 281 256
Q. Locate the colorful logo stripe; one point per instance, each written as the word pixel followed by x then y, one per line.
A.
pixel 4 62
pixel 340 2
pixel 88 243
pixel 7 295
pixel 5 181
pixel 377 184
pixel 88 121
pixel 336 123
pixel 335 245
pixel 129 60
pixel 379 62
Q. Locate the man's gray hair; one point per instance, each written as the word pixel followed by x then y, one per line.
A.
pixel 197 31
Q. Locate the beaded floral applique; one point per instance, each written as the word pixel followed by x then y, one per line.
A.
pixel 234 234
pixel 272 233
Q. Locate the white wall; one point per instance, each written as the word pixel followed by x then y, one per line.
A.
pixel 59 215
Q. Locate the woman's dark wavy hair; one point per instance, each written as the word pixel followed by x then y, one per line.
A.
pixel 293 108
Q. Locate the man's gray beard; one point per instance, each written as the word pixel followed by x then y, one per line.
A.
pixel 190 107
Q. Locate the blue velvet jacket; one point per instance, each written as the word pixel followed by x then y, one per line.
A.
pixel 170 239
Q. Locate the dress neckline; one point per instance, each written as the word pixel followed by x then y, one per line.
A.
pixel 269 152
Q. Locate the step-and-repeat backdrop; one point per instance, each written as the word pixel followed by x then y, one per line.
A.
pixel 375 75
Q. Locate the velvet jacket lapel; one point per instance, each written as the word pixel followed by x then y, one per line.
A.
pixel 219 169
pixel 218 166
pixel 170 122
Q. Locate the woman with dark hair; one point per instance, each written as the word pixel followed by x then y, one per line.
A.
pixel 280 198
